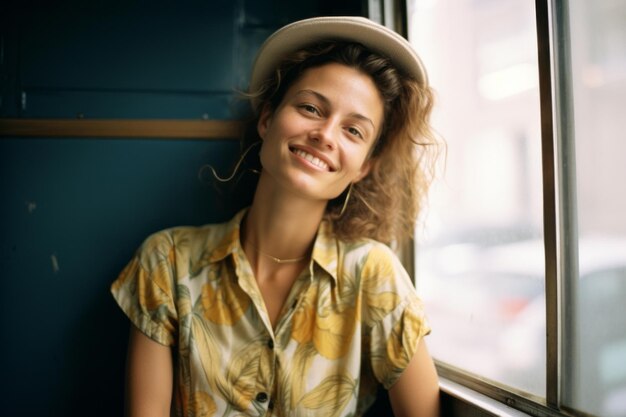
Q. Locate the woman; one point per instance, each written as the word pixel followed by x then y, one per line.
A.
pixel 294 307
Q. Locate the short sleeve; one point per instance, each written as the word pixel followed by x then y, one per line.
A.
pixel 394 315
pixel 144 290
pixel 394 340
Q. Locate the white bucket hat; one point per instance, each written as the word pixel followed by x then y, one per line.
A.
pixel 376 37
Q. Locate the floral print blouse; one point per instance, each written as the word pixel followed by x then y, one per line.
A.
pixel 352 320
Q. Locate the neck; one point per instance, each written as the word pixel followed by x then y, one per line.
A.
pixel 275 259
pixel 280 224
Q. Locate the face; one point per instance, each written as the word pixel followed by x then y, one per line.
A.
pixel 318 140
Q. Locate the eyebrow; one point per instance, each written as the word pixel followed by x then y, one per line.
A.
pixel 326 102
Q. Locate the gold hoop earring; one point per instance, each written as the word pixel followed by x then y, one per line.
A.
pixel 345 202
pixel 232 175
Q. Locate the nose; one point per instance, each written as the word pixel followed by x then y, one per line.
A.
pixel 325 134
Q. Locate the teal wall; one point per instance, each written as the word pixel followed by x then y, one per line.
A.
pixel 74 210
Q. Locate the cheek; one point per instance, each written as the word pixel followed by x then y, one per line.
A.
pixel 356 156
pixel 283 126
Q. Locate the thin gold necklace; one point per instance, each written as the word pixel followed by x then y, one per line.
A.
pixel 275 259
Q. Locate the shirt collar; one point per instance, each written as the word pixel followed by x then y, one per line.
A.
pixel 229 242
pixel 325 248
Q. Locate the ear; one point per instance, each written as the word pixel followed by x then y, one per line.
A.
pixel 265 118
pixel 365 169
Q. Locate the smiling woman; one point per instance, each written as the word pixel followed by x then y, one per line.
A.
pixel 322 133
pixel 295 307
pixel 385 203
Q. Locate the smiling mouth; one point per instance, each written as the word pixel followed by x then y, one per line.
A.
pixel 312 159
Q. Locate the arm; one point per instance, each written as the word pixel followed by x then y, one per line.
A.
pixel 149 377
pixel 416 393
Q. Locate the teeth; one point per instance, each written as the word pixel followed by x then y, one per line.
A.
pixel 312 159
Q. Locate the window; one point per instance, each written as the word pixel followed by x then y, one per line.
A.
pixel 595 340
pixel 482 265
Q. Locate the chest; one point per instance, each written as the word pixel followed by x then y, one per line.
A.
pixel 246 365
pixel 275 286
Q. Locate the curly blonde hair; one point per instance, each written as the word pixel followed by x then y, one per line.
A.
pixel 385 204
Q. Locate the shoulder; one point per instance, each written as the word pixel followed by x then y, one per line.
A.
pixel 165 240
pixel 375 264
pixel 189 242
pixel 367 255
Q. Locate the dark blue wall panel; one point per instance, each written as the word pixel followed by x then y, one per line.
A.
pixel 143 45
pixel 73 212
pixel 131 59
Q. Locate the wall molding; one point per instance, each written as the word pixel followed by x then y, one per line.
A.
pixel 121 128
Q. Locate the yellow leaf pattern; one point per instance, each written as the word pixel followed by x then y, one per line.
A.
pixel 352 321
pixel 207 352
pixel 331 396
pixel 381 304
pixel 294 379
pixel 241 375
pixel 203 404
pixel 224 303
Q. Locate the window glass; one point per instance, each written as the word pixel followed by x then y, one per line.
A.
pixel 480 258
pixel 594 378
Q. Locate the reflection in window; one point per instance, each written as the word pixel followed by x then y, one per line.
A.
pixel 480 261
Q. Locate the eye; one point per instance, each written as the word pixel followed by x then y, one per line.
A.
pixel 309 108
pixel 355 132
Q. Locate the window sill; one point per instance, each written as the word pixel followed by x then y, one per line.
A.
pixel 478 401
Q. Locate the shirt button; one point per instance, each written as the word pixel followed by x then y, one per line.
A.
pixel 262 397
pixel 270 344
pixel 270 406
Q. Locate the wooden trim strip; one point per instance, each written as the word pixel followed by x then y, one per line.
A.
pixel 121 128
